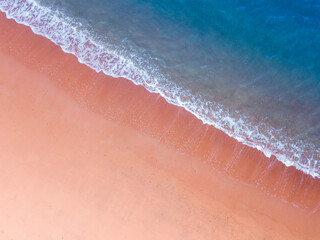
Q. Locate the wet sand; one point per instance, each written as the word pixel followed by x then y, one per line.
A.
pixel 86 156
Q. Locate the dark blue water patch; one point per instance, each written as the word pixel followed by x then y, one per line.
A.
pixel 286 31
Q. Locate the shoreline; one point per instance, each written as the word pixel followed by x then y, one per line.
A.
pixel 63 33
pixel 91 124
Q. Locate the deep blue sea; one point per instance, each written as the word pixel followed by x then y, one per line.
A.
pixel 250 68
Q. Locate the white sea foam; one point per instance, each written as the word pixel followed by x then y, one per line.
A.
pixel 64 32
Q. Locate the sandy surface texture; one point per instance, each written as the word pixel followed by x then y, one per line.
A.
pixel 86 156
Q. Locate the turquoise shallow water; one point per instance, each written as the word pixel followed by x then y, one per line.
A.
pixel 250 68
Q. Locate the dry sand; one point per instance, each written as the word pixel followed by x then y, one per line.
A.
pixel 86 156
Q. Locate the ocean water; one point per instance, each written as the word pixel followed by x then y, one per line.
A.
pixel 250 68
